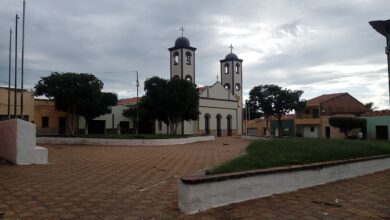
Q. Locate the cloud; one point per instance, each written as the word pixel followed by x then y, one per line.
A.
pixel 316 46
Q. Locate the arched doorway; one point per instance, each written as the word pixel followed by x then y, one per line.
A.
pixel 207 124
pixel 219 132
pixel 229 125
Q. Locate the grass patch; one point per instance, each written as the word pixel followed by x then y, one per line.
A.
pixel 295 151
pixel 126 136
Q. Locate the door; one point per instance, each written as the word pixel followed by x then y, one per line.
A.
pixel 62 125
pixel 327 132
pixel 207 124
pixel 219 132
pixel 96 126
pixel 382 133
pixel 229 125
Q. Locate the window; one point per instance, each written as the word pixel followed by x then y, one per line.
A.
pixel 237 68
pixel 227 86
pixel 238 86
pixel 188 58
pixel 307 112
pixel 188 78
pixel 226 68
pixel 176 77
pixel 45 122
pixel 175 58
pixel 316 113
pixel 311 129
pixel 207 123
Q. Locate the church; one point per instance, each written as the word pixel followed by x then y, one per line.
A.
pixel 220 105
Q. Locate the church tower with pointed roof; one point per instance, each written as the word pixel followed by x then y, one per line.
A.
pixel 182 59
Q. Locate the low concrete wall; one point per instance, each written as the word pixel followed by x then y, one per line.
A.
pixel 197 193
pixel 18 143
pixel 129 142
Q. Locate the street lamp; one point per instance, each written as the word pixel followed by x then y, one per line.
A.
pixel 137 83
pixel 383 27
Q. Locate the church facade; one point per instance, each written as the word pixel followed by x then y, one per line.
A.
pixel 220 105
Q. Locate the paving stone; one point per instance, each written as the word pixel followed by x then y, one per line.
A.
pixel 140 182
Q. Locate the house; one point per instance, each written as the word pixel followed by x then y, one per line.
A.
pixel 313 120
pixel 48 120
pixel 28 104
pixel 257 127
pixel 111 122
pixel 220 104
pixel 378 124
pixel 288 126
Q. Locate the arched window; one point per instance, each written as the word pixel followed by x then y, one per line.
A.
pixel 226 68
pixel 237 68
pixel 207 123
pixel 176 58
pixel 238 86
pixel 188 78
pixel 227 86
pixel 188 58
pixel 176 77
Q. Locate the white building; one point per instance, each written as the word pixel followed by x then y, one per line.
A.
pixel 220 104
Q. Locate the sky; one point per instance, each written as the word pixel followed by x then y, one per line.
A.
pixel 318 46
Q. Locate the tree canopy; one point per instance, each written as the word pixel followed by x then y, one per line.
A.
pixel 273 100
pixel 369 106
pixel 77 94
pixel 171 101
pixel 346 124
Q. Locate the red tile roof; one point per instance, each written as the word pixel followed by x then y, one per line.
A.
pixel 377 113
pixel 323 98
pixel 129 101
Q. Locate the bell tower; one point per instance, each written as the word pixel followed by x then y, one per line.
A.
pixel 182 59
pixel 231 73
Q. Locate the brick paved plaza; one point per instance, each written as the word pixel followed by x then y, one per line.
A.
pixel 96 182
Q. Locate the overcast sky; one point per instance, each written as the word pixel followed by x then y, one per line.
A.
pixel 318 46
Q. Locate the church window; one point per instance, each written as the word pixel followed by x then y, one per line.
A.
pixel 227 86
pixel 176 77
pixel 238 86
pixel 188 58
pixel 226 68
pixel 188 78
pixel 175 58
pixel 45 122
pixel 238 68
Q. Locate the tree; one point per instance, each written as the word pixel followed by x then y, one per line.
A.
pixel 97 105
pixel 276 101
pixel 75 93
pixel 346 124
pixel 369 106
pixel 172 101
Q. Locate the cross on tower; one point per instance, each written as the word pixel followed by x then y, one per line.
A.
pixel 231 48
pixel 182 31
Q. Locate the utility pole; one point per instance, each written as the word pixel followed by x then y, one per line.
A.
pixel 16 63
pixel 137 83
pixel 9 73
pixel 21 96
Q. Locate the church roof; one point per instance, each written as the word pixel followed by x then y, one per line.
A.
pixel 231 56
pixel 182 42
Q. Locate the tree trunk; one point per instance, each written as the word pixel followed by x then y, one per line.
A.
pixel 267 127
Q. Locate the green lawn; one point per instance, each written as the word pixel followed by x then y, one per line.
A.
pixel 294 151
pixel 127 136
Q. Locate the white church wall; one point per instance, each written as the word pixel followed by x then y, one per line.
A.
pixel 118 117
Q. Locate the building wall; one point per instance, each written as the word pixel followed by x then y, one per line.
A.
pixel 311 131
pixel 334 132
pixel 46 108
pixel 287 127
pixel 28 104
pixel 112 119
pixel 374 121
pixel 257 127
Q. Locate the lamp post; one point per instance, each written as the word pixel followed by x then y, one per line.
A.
pixel 383 27
pixel 137 84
